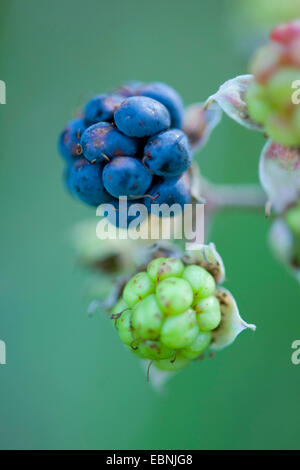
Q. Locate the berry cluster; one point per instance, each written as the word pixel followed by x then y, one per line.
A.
pixel 276 67
pixel 129 143
pixel 167 313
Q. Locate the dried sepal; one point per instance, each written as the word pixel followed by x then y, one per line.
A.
pixel 199 122
pixel 231 323
pixel 231 99
pixel 281 240
pixel 282 243
pixel 196 183
pixel 279 173
pixel 159 249
pixel 207 257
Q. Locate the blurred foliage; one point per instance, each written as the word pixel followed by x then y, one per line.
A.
pixel 268 12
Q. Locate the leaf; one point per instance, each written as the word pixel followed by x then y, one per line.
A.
pixel 208 258
pixel 199 122
pixel 231 324
pixel 279 173
pixel 161 248
pixel 231 99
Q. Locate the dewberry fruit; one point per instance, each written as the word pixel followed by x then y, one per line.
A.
pixel 102 142
pixel 168 313
pixel 208 313
pixel 126 176
pixel 168 97
pixel 69 140
pixel 170 191
pixel 155 350
pixel 168 268
pixel 180 330
pixel 147 318
pixel 258 106
pixel 124 328
pixel 153 267
pixel 139 116
pixel 126 134
pixel 200 343
pixel 201 281
pixel 118 308
pixel 137 288
pixel 276 66
pixel 121 216
pixel 162 268
pixel 279 89
pixel 85 182
pixel 174 295
pixel 168 154
pixel 281 129
pixel 101 108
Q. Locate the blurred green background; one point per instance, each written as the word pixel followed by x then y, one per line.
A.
pixel 68 382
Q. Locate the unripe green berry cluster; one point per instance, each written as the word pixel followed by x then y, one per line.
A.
pixel 276 68
pixel 167 313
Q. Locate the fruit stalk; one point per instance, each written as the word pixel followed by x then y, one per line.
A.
pixel 239 196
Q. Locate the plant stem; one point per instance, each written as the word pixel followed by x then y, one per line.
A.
pixel 241 196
